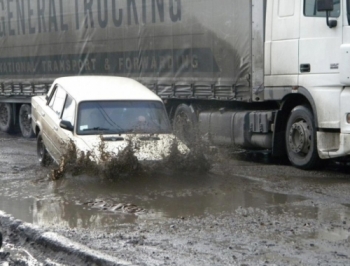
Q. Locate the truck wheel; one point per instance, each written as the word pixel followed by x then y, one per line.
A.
pixel 301 139
pixel 185 124
pixel 6 117
pixel 43 155
pixel 25 121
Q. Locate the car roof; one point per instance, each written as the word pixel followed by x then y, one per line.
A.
pixel 88 88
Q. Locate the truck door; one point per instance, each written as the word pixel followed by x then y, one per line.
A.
pixel 319 44
pixel 345 69
pixel 319 58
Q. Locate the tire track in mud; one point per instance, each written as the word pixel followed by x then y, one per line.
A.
pixel 107 205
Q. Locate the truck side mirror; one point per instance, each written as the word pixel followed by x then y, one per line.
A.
pixel 327 6
pixel 67 125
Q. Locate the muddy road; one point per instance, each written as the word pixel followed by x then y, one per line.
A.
pixel 242 212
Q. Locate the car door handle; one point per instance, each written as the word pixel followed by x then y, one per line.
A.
pixel 55 128
pixel 42 114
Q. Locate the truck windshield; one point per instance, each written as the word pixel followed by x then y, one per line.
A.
pixel 121 117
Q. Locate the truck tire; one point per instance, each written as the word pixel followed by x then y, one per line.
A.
pixel 6 118
pixel 43 155
pixel 25 121
pixel 185 124
pixel 301 139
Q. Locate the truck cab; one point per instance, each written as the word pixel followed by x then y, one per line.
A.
pixel 307 63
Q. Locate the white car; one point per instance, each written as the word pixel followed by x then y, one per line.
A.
pixel 86 109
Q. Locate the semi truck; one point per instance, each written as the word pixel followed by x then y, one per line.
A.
pixel 262 75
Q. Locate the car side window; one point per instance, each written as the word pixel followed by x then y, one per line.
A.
pixel 69 110
pixel 310 9
pixel 57 101
pixel 53 96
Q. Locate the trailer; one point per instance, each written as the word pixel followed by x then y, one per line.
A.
pixel 262 75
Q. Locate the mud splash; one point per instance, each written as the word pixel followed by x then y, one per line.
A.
pixel 197 160
pixel 125 163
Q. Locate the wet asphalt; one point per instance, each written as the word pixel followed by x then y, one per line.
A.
pixel 245 211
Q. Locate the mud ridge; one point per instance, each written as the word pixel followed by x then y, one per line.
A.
pixel 43 242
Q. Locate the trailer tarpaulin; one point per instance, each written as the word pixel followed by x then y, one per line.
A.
pixel 180 48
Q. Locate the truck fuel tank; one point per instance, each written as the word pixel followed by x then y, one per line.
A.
pixel 245 129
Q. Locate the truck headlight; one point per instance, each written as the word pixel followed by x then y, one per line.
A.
pixel 348 118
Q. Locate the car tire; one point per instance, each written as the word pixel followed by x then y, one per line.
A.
pixel 301 139
pixel 43 155
pixel 25 122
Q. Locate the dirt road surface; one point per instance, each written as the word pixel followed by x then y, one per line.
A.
pixel 242 212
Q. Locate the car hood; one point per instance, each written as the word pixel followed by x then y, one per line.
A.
pixel 146 147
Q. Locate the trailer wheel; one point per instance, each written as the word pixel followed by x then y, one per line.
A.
pixel 6 117
pixel 25 121
pixel 43 155
pixel 301 139
pixel 185 123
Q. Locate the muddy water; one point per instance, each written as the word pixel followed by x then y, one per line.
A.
pixel 45 202
pixel 162 196
pixel 27 193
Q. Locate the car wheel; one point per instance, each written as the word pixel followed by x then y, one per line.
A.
pixel 43 155
pixel 25 121
pixel 301 139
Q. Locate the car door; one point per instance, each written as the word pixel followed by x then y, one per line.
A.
pixel 68 114
pixel 50 124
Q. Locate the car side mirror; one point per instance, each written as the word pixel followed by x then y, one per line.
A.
pixel 67 125
pixel 327 6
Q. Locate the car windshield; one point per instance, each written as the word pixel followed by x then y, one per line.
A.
pixel 121 117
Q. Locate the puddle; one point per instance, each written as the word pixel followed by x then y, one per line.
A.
pixel 161 196
pixel 333 235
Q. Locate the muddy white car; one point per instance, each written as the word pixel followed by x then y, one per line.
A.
pixel 91 109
